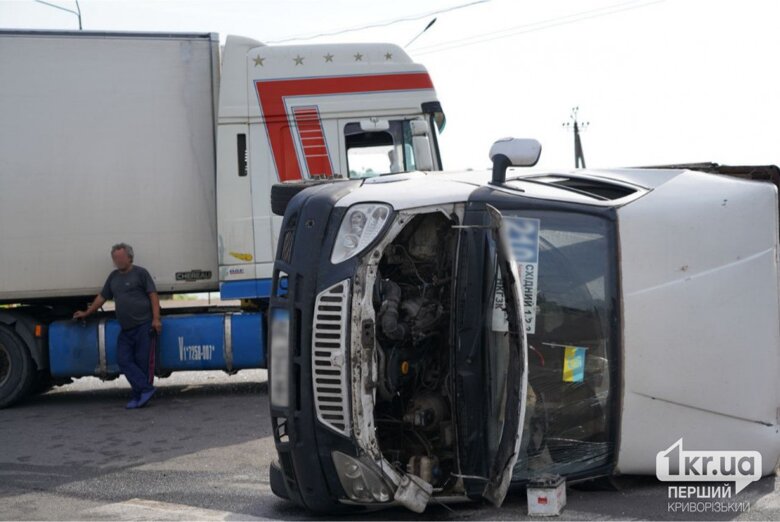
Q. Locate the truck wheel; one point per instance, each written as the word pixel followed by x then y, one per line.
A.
pixel 17 371
pixel 282 193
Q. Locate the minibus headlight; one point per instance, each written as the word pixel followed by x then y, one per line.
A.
pixel 360 226
pixel 360 482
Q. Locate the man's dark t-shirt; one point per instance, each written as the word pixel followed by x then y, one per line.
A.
pixel 130 291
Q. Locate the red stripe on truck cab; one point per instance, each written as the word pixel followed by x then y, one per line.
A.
pixel 315 150
pixel 273 93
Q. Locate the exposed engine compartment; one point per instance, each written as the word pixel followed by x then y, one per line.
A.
pixel 412 298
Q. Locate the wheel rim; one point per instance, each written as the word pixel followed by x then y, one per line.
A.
pixel 5 364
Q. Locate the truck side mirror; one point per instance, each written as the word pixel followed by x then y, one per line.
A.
pixel 422 145
pixel 422 153
pixel 513 152
pixel 419 128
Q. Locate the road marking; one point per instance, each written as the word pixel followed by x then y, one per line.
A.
pixel 147 510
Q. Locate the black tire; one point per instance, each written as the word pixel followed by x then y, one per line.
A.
pixel 282 193
pixel 17 369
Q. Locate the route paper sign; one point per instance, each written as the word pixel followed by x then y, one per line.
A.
pixel 500 321
pixel 522 235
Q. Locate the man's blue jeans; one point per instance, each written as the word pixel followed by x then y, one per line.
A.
pixel 135 354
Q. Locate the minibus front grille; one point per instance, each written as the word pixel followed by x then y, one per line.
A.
pixel 328 358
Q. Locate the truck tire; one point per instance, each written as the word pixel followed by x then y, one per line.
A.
pixel 282 193
pixel 17 370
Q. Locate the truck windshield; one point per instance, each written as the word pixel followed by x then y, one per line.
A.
pixel 567 264
pixel 371 153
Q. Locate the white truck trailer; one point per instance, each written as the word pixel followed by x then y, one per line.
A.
pixel 171 144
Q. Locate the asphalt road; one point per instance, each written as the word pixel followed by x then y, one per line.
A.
pixel 201 450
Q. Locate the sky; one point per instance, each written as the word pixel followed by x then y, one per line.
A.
pixel 658 81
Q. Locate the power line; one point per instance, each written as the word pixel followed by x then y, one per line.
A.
pixel 542 24
pixel 430 24
pixel 77 12
pixel 375 25
pixel 534 26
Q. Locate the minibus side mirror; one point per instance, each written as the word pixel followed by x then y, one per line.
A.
pixel 513 152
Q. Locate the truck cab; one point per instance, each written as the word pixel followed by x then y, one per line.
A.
pixel 295 113
pixel 451 334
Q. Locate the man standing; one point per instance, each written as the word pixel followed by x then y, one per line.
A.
pixel 138 312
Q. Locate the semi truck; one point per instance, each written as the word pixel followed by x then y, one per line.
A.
pixel 171 143
pixel 451 335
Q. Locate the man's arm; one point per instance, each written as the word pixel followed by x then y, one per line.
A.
pixel 94 307
pixel 156 323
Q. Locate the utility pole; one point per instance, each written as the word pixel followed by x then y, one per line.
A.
pixel 579 156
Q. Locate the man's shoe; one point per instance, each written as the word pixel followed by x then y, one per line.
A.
pixel 145 397
pixel 133 404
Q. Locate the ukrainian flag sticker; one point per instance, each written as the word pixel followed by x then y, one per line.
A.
pixel 574 364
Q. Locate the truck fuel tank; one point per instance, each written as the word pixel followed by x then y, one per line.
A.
pixel 217 341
